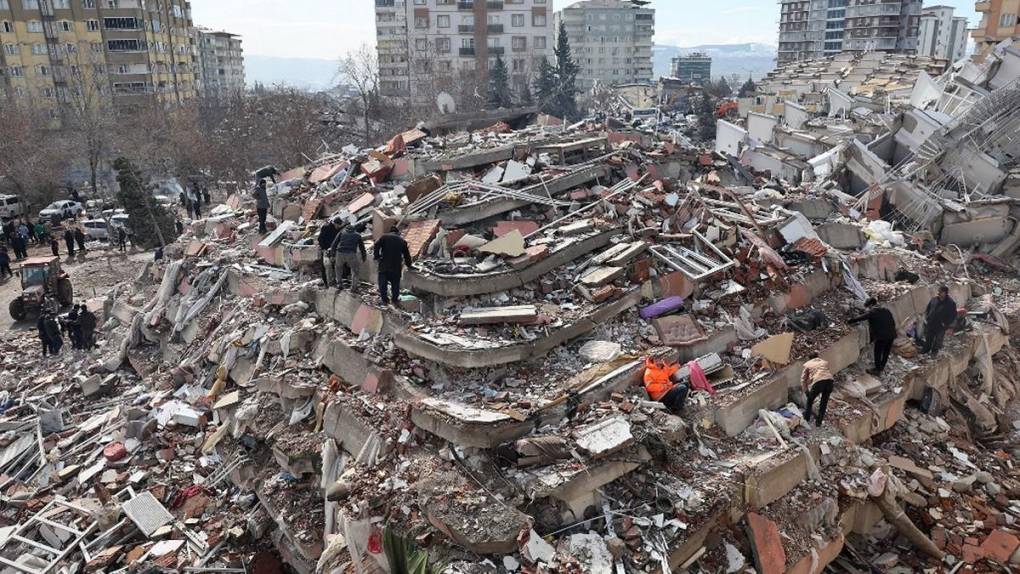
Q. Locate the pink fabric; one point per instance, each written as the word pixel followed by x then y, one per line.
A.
pixel 699 381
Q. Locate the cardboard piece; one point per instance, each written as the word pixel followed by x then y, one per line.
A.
pixel 510 245
pixel 775 349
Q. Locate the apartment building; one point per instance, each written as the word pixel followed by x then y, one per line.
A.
pixel 693 68
pixel 817 28
pixel 941 35
pixel 424 46
pixel 135 49
pixel 610 40
pixel 220 63
pixel 999 21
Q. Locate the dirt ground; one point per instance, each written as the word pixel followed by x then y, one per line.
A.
pixel 101 269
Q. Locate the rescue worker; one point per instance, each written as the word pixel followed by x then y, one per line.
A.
pixel 388 252
pixel 72 327
pixel 87 321
pixel 816 379
pixel 350 254
pixel 327 234
pixel 660 387
pixel 69 241
pixel 49 334
pixel 261 204
pixel 882 327
pixel 939 315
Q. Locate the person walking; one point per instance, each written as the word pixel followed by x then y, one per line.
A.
pixel 5 263
pixel 19 246
pixel 350 254
pixel 40 232
pixel 87 320
pixel 939 315
pixel 327 235
pixel 122 239
pixel 882 327
pixel 44 338
pixel 49 334
pixel 389 252
pixel 69 241
pixel 261 204
pixel 54 246
pixel 73 328
pixel 816 379
pixel 79 237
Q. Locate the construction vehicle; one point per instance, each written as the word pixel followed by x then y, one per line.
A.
pixel 43 286
pixel 724 109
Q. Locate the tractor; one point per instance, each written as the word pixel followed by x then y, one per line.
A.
pixel 43 286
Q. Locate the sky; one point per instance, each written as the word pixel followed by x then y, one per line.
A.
pixel 326 29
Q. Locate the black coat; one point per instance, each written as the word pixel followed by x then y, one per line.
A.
pixel 940 314
pixel 389 250
pixel 326 236
pixel 881 323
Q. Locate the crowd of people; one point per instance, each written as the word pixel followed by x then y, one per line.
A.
pixel 79 325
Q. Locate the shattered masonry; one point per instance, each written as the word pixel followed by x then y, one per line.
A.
pixel 240 415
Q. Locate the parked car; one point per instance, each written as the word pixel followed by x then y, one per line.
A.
pixel 11 207
pixel 119 220
pixel 96 229
pixel 64 209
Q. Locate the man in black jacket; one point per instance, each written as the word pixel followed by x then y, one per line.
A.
pixel 261 204
pixel 87 321
pixel 349 254
pixel 327 234
pixel 882 326
pixel 938 317
pixel 389 252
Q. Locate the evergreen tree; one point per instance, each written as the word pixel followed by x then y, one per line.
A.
pixel 499 88
pixel 151 225
pixel 748 89
pixel 566 77
pixel 722 89
pixel 706 117
pixel 524 98
pixel 545 87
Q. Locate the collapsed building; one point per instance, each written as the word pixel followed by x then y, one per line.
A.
pixel 239 415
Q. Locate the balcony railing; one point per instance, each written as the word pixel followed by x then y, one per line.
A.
pixel 494 5
pixel 384 3
pixel 465 5
pixel 495 28
pixel 467 51
pixel 493 50
pixel 466 28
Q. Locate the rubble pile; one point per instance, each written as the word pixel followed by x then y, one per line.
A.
pixel 238 414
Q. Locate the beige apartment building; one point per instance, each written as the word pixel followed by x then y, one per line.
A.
pixel 610 41
pixel 817 28
pixel 138 50
pixel 424 46
pixel 220 65
pixel 999 21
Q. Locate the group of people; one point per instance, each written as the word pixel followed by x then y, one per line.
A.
pixel 193 199
pixel 343 252
pixel 79 325
pixel 817 379
pixel 18 235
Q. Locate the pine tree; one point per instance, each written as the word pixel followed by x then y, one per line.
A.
pixel 748 89
pixel 499 89
pixel 150 223
pixel 524 98
pixel 706 117
pixel 566 77
pixel 545 87
pixel 722 89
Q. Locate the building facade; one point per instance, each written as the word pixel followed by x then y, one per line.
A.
pixel 694 68
pixel 941 35
pixel 817 28
pixel 220 63
pixel 425 46
pixel 999 21
pixel 132 49
pixel 610 41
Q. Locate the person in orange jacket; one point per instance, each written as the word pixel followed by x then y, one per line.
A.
pixel 661 388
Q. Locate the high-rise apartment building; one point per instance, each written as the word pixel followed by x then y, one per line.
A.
pixel 999 21
pixel 693 68
pixel 817 28
pixel 941 35
pixel 220 63
pixel 424 46
pixel 135 49
pixel 610 40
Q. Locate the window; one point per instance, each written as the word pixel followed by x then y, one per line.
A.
pixel 538 20
pixel 121 23
pixel 30 4
pixel 92 25
pixel 6 27
pixel 1007 20
pixel 40 49
pixel 519 43
pixel 11 49
pixel 42 70
pixel 35 26
pixel 66 26
pixel 443 45
pixel 17 71
pixel 540 42
pixel 443 21
pixel 62 4
pixel 421 44
pixel 97 47
pixel 47 92
pixel 70 48
pixel 124 45
pixel 4 5
pixel 88 3
pixel 518 66
pixel 517 20
pixel 421 21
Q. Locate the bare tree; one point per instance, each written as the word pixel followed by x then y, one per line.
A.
pixel 31 162
pixel 359 70
pixel 88 112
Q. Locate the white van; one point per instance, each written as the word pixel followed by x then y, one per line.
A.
pixel 96 229
pixel 11 207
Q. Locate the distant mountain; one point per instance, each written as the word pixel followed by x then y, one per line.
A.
pixel 306 73
pixel 727 59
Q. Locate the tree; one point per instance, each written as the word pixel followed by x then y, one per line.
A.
pixel 721 89
pixel 32 163
pixel 524 98
pixel 566 76
pixel 88 112
pixel 748 89
pixel 545 87
pixel 706 117
pixel 499 88
pixel 151 224
pixel 360 71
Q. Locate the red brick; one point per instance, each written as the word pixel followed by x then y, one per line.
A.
pixel 419 234
pixel 532 255
pixel 999 546
pixel 361 202
pixel 972 554
pixel 525 226
pixel 767 544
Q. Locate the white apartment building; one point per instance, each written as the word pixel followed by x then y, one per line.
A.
pixel 942 35
pixel 610 40
pixel 424 45
pixel 818 28
pixel 220 59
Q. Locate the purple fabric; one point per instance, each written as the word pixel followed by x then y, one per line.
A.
pixel 661 307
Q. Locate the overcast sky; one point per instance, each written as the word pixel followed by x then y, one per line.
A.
pixel 325 29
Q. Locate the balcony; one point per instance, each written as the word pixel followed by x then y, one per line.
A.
pixel 467 51
pixel 384 3
pixel 466 28
pixel 495 28
pixel 494 50
pixel 494 6
pixel 465 5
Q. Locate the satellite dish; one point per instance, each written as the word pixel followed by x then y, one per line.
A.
pixel 445 103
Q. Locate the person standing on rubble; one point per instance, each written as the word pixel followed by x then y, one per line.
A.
pixel 49 334
pixel 660 386
pixel 938 317
pixel 389 252
pixel 72 326
pixel 350 253
pixel 79 237
pixel 87 324
pixel 327 235
pixel 816 379
pixel 69 241
pixel 261 204
pixel 882 327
